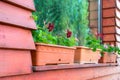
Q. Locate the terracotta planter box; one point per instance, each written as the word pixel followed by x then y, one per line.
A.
pixel 108 58
pixel 13 15
pixel 15 62
pixel 46 54
pixel 86 55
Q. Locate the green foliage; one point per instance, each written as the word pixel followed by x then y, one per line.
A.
pixel 95 44
pixel 65 14
pixel 44 36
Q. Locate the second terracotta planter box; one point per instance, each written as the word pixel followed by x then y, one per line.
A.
pixel 46 54
pixel 108 58
pixel 86 55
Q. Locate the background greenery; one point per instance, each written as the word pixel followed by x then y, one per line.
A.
pixel 64 14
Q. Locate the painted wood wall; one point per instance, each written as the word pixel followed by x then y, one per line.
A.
pixel 94 73
pixel 16 39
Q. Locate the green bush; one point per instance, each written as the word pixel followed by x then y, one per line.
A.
pixel 44 36
pixel 64 14
pixel 94 44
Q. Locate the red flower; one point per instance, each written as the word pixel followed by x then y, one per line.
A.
pixel 69 33
pixel 50 27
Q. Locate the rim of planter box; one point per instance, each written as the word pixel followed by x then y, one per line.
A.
pixel 79 47
pixel 52 45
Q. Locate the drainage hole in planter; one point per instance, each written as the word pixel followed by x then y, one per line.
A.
pixel 90 60
pixel 59 59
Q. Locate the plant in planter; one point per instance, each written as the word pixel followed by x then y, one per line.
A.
pixel 108 52
pixel 47 53
pixel 89 54
pixel 59 23
pixel 86 55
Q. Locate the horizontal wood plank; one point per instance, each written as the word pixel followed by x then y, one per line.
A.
pixel 71 74
pixel 109 37
pixel 16 16
pixel 112 12
pixel 28 4
pixel 93 23
pixel 109 29
pixel 69 66
pixel 14 62
pixel 108 3
pixel 93 14
pixel 94 30
pixel 14 37
pixel 109 22
pixel 93 5
pixel 109 13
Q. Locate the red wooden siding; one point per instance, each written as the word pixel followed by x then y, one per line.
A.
pixel 14 37
pixel 112 12
pixel 109 37
pixel 16 16
pixel 108 3
pixel 14 62
pixel 110 29
pixel 72 74
pixel 109 13
pixel 110 77
pixel 111 21
pixel 29 4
